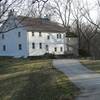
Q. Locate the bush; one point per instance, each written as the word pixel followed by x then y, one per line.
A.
pixel 83 53
pixel 45 56
pixel 35 57
pixel 50 56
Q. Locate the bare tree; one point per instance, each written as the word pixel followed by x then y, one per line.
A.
pixel 37 9
pixel 5 5
pixel 62 10
pixel 86 27
pixel 88 32
pixel 21 7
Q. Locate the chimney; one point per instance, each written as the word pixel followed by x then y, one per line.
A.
pixel 47 17
pixel 11 13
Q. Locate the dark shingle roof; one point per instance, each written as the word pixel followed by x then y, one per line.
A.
pixel 40 24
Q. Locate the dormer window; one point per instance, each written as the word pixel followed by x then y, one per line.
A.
pixel 3 36
pixel 40 34
pixel 19 34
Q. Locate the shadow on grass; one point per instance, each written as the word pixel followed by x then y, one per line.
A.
pixel 15 65
pixel 35 86
pixel 40 81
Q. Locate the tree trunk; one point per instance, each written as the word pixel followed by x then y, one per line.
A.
pixel 89 47
pixel 77 23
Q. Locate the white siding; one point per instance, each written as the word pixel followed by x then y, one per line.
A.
pixel 11 41
pixel 52 43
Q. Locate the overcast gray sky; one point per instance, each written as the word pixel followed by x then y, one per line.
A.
pixel 91 3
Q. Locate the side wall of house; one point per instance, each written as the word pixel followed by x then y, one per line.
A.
pixel 50 43
pixel 11 40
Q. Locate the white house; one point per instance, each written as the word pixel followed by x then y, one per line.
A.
pixel 26 36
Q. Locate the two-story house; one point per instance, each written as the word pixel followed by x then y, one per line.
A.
pixel 25 36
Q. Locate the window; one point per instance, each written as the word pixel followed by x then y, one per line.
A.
pixel 61 49
pixel 33 45
pixel 32 33
pixel 48 37
pixel 4 47
pixel 20 47
pixel 19 34
pixel 47 48
pixel 60 36
pixel 40 34
pixel 57 36
pixel 3 36
pixel 55 49
pixel 40 45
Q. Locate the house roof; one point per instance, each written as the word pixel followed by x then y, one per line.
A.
pixel 40 24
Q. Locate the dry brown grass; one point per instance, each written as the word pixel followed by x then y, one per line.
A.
pixel 33 80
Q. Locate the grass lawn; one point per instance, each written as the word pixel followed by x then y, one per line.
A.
pixel 24 79
pixel 92 64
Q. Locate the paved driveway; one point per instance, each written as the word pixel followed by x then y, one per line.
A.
pixel 85 79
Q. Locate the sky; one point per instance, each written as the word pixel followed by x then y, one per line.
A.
pixel 94 9
pixel 92 5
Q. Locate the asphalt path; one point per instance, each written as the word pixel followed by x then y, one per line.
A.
pixel 85 79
